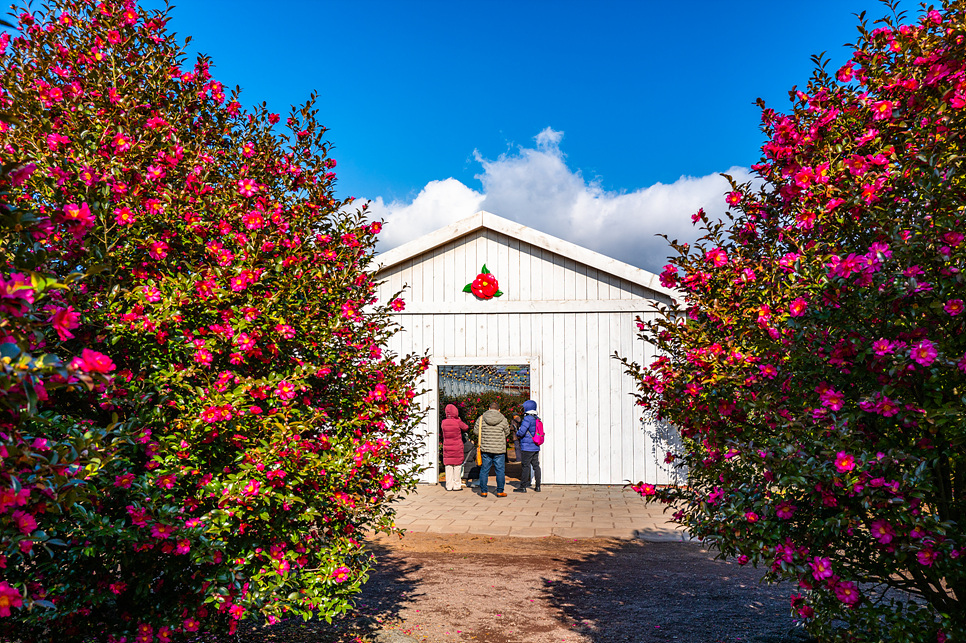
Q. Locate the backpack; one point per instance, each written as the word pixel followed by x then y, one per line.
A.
pixel 538 434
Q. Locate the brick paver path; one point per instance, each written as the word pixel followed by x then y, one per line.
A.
pixel 568 511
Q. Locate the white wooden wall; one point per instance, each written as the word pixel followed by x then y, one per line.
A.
pixel 563 318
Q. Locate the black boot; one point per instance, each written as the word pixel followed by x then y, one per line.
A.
pixel 537 488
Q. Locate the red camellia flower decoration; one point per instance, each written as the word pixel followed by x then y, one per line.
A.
pixel 485 286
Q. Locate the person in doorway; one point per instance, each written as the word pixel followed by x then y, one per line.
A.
pixel 514 425
pixel 531 450
pixel 453 428
pixel 471 470
pixel 494 430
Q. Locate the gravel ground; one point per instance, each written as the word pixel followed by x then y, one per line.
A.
pixel 461 588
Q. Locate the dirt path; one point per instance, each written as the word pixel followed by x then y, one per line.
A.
pixel 448 589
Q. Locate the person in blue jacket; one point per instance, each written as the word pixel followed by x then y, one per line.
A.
pixel 531 451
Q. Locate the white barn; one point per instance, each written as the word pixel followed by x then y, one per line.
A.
pixel 565 311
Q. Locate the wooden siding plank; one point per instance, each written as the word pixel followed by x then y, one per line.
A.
pixel 617 402
pixel 505 334
pixel 593 285
pixel 511 290
pixel 482 336
pixel 459 322
pixel 525 276
pixel 492 335
pixel 590 393
pixel 631 457
pixel 644 467
pixel 577 346
pixel 608 451
pixel 451 287
pixel 580 283
pixel 563 457
pixel 570 279
pixel 546 405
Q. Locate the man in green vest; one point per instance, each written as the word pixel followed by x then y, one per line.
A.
pixel 493 429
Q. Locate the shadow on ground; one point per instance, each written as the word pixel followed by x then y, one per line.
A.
pixel 393 584
pixel 656 592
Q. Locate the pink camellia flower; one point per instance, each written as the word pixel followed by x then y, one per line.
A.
pixel 716 257
pixel 151 294
pixel 882 531
pixel 844 462
pixel 886 407
pixel 340 574
pixel 183 547
pixel 882 110
pixel 191 624
pixel 751 516
pixel 387 481
pixel 145 633
pixel 63 320
pixel 669 278
pixel 743 559
pixel 733 198
pixel 954 307
pixel 883 347
pixel 768 370
pixel 92 362
pixel 832 399
pixel 844 74
pixel 253 220
pixel 821 568
pixel 25 522
pixel 797 307
pixel 924 353
pixel 847 592
pixel 247 187
pixel 124 216
pixel 121 142
pixel 645 489
pixel 927 556
pixel 9 597
pixel 252 488
pixel 79 214
pixel 397 304
pixel 124 480
pixel 285 390
pixel 159 530
pixel 158 250
pixel 785 510
pixel 285 331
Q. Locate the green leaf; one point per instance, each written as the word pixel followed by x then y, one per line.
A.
pixel 468 288
pixel 498 293
pixel 484 270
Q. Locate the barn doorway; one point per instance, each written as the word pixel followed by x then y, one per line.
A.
pixel 471 388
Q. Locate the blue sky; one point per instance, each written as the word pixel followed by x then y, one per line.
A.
pixel 601 123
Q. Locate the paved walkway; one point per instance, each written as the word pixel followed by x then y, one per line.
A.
pixel 568 511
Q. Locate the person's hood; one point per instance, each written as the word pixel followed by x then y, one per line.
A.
pixel 452 412
pixel 529 406
pixel 492 416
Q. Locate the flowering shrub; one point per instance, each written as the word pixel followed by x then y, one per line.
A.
pixel 817 364
pixel 254 423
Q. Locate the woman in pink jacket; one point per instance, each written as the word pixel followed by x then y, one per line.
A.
pixel 453 428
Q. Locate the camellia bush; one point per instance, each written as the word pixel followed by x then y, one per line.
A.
pixel 816 363
pixel 221 420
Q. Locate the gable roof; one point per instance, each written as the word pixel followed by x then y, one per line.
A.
pixel 487 220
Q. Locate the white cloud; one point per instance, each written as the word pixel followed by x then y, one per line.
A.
pixel 535 187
